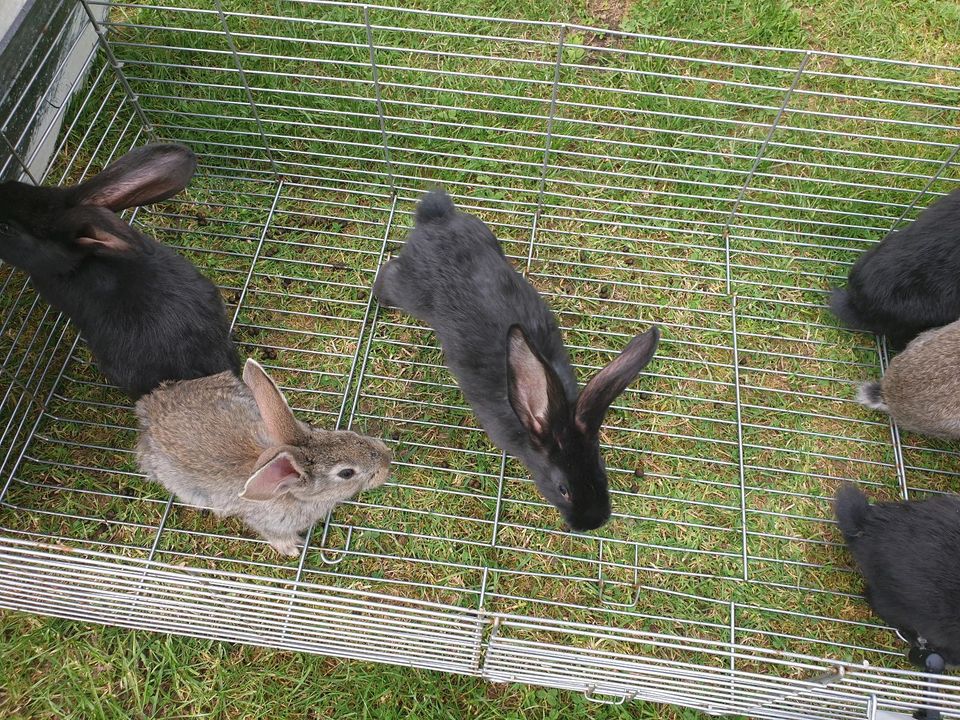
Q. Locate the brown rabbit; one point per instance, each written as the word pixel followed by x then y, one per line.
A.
pixel 236 448
pixel 921 388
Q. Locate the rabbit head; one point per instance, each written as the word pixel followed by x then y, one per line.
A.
pixel 565 463
pixel 49 230
pixel 315 466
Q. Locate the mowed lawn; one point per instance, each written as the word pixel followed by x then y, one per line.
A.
pixel 57 669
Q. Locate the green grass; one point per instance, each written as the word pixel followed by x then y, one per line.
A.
pixel 674 452
pixel 59 669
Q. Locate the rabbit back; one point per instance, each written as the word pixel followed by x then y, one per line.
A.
pixel 921 387
pixel 181 421
pixel 147 314
pixel 155 319
pixel 907 553
pixel 910 281
pixel 454 276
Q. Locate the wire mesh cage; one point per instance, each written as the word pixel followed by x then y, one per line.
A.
pixel 715 189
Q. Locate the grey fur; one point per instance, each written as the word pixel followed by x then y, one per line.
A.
pixel 502 343
pixel 870 395
pixel 907 553
pixel 203 439
pixel 921 388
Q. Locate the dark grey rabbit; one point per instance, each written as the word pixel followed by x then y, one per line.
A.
pixel 503 345
pixel 910 282
pixel 147 314
pixel 909 555
pixel 921 388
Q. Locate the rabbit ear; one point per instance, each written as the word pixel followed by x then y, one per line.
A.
pixel 146 175
pixel 533 387
pixel 103 232
pixel 273 479
pixel 277 416
pixel 613 379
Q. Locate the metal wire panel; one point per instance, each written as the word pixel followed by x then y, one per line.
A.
pixel 718 190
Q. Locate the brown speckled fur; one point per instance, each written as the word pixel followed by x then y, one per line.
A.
pixel 921 387
pixel 201 439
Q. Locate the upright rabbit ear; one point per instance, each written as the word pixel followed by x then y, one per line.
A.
pixel 533 388
pixel 603 389
pixel 103 232
pixel 277 416
pixel 273 479
pixel 143 176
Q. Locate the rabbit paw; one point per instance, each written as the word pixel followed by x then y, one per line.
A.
pixel 285 546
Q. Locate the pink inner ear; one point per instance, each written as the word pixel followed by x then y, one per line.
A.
pixel 530 385
pixel 273 479
pixel 98 237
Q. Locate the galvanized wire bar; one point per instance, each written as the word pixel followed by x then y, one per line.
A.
pixel 256 255
pixel 722 459
pixel 740 443
pixel 118 69
pixel 11 148
pixel 376 86
pixel 548 143
pixel 246 86
pixel 756 161
pixel 933 178
pixel 367 326
pixel 884 353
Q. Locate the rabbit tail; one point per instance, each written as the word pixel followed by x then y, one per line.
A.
pixel 870 395
pixel 842 306
pixel 851 508
pixel 435 205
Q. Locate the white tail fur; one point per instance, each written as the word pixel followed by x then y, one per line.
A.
pixel 870 395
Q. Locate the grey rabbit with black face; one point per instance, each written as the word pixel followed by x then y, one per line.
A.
pixel 237 449
pixel 921 387
pixel 502 343
pixel 147 314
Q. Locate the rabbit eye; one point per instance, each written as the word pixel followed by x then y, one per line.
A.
pixel 564 491
pixel 347 473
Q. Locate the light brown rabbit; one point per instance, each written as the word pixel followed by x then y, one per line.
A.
pixel 921 388
pixel 236 448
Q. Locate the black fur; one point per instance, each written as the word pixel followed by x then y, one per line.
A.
pixel 910 282
pixel 503 345
pixel 909 555
pixel 147 314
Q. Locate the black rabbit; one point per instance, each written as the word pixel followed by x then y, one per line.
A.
pixel 147 314
pixel 910 282
pixel 503 345
pixel 909 555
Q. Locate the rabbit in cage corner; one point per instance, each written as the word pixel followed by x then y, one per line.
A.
pixel 157 329
pixel 921 388
pixel 502 343
pixel 908 555
pixel 237 448
pixel 910 282
pixel 147 314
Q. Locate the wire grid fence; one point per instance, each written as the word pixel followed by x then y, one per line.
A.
pixel 715 189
